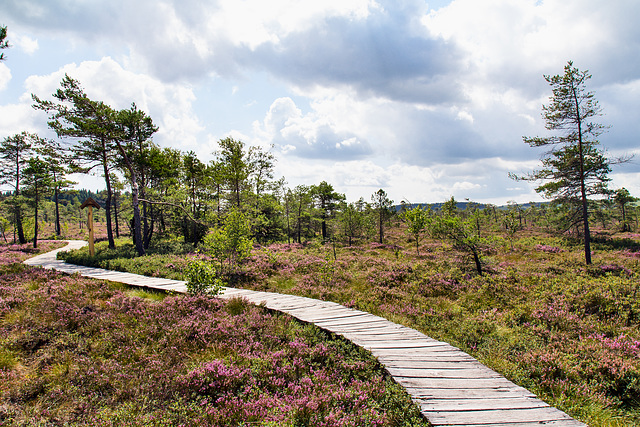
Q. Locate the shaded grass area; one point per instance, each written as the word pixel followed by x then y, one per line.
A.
pixel 76 351
pixel 539 316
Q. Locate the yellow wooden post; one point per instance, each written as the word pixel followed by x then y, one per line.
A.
pixel 90 203
pixel 92 248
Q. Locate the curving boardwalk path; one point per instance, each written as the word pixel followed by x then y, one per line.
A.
pixel 451 387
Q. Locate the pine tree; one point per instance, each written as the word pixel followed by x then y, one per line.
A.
pixel 574 168
pixel 15 152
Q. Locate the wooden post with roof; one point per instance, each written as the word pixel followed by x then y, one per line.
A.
pixel 90 203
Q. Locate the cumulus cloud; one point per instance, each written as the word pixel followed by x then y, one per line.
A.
pixel 308 136
pixel 510 44
pixel 25 43
pixel 382 55
pixel 16 118
pixel 5 76
pixel 620 104
pixel 170 106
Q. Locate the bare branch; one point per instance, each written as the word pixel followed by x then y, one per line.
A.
pixel 175 206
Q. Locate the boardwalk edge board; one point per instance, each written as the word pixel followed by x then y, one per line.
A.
pixel 451 387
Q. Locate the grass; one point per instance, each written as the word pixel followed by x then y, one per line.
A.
pixel 77 351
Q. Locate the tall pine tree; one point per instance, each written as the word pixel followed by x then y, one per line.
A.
pixel 574 168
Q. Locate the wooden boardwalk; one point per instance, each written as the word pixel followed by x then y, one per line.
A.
pixel 451 387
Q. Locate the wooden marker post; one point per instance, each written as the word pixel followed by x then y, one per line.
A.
pixel 90 203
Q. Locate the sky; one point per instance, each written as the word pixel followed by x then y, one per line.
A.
pixel 423 99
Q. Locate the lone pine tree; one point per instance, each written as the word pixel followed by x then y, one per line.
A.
pixel 574 168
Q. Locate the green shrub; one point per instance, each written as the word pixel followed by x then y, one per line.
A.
pixel 202 278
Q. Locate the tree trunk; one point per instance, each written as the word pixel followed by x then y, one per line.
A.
pixel 55 198
pixel 18 212
pixel 115 213
pixel 288 229
pixel 476 259
pixel 324 229
pixel 35 225
pixel 21 238
pixel 145 223
pixel 147 238
pixel 299 221
pixel 148 231
pixel 162 224
pixel 137 224
pixel 107 203
pixel 587 234
pixel 583 191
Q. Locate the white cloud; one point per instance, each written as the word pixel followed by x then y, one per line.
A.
pixel 25 43
pixel 630 181
pixel 5 76
pixel 309 135
pixel 465 186
pixel 252 23
pixel 169 105
pixel 16 118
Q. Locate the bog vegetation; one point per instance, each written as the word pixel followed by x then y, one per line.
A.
pixel 77 351
pixel 544 293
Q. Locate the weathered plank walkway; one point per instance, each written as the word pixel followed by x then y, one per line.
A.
pixel 451 387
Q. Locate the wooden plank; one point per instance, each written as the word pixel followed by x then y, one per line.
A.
pixel 336 317
pixel 367 327
pixel 297 301
pixel 292 304
pixel 470 373
pixel 426 349
pixel 421 393
pixel 432 356
pixel 426 353
pixel 515 416
pixel 402 344
pixel 325 305
pixel 160 282
pixel 169 285
pixel 397 336
pixel 441 350
pixel 453 365
pixel 237 293
pixel 558 423
pixel 389 334
pixel 451 405
pixel 328 315
pixel 454 383
pixel 386 335
pixel 362 320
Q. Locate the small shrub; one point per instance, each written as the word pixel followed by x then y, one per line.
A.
pixel 202 278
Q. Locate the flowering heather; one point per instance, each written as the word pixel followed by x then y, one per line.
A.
pixel 76 351
pixel 11 253
pixel 548 249
pixel 540 317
